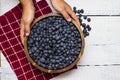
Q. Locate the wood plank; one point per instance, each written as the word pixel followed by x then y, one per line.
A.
pixel 7 5
pixel 5 70
pixel 92 73
pixel 97 7
pixel 103 44
pixel 92 7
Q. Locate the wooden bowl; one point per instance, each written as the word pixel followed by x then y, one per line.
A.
pixel 63 69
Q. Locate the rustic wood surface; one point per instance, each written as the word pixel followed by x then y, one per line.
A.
pixel 101 58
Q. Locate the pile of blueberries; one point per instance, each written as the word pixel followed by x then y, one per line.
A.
pixel 83 19
pixel 54 43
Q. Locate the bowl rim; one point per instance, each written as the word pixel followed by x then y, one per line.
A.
pixel 59 70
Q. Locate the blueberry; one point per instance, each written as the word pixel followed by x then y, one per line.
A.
pixel 56 57
pixel 53 66
pixel 64 65
pixel 82 11
pixel 42 59
pixel 67 59
pixel 35 48
pixel 83 25
pixel 85 17
pixel 35 54
pixel 78 11
pixel 84 31
pixel 56 65
pixel 80 20
pixel 74 8
pixel 50 56
pixel 88 27
pixel 46 54
pixel 57 37
pixel 88 19
pixel 80 15
pixel 53 60
pixel 87 34
pixel 49 67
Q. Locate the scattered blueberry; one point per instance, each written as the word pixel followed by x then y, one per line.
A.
pixel 88 19
pixel 83 25
pixel 74 8
pixel 86 34
pixel 85 17
pixel 78 11
pixel 82 11
pixel 86 28
pixel 80 20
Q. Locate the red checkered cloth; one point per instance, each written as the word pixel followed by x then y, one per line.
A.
pixel 12 48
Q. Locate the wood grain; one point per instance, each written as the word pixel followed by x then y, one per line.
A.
pixel 103 44
pixel 92 7
pixel 92 73
pixel 95 7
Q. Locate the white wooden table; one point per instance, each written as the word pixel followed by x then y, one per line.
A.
pixel 101 59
